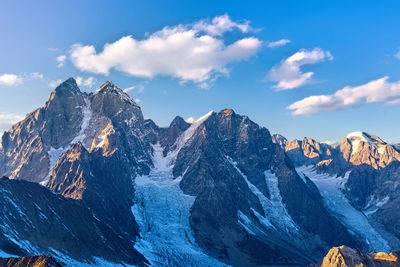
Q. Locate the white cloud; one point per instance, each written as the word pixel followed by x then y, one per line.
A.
pixel 278 43
pixel 137 100
pixel 219 25
pixel 380 90
pixel 190 120
pixel 89 82
pixel 7 120
pixel 61 60
pixel 54 83
pixel 195 52
pixel 10 79
pixel 288 73
pixel 138 88
pixel 36 75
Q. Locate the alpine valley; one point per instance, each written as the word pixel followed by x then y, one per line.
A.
pixel 88 181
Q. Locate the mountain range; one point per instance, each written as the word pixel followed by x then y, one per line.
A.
pixel 89 181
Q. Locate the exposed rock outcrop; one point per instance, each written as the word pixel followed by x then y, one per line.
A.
pixel 347 257
pixel 30 261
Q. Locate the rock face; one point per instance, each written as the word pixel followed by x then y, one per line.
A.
pixel 237 174
pixel 365 169
pixel 88 169
pixel 30 261
pixel 25 147
pixel 37 221
pixel 305 152
pixel 347 257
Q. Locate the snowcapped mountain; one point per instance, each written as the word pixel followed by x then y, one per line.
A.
pixel 88 169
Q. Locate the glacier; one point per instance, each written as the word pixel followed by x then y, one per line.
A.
pixel 330 188
pixel 162 211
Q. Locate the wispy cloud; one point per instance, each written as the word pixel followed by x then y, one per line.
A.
pixel 89 82
pixel 54 83
pixel 10 79
pixel 137 88
pixel 61 60
pixel 219 25
pixel 36 75
pixel 288 73
pixel 7 120
pixel 195 52
pixel 380 90
pixel 397 55
pixel 278 43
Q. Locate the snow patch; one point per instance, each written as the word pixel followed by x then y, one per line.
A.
pixel 276 214
pixel 374 204
pixel 95 261
pixel 87 115
pixel 55 153
pixel 186 135
pixel 302 176
pixel 6 255
pixel 357 137
pixel 162 211
pixel 330 188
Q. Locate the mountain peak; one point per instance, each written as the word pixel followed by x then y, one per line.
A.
pixel 179 121
pixel 228 112
pixel 110 88
pixel 67 88
pixel 356 137
pixel 108 85
pixel 366 137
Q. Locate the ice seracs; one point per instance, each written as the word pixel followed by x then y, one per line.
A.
pixel 162 211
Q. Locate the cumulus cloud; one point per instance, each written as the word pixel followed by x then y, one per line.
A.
pixel 61 60
pixel 137 88
pixel 288 73
pixel 89 82
pixel 10 79
pixel 278 43
pixel 7 120
pixel 380 90
pixel 195 52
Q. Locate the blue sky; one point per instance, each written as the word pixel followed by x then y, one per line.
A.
pixel 333 45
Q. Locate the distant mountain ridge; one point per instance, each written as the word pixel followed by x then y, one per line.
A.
pixel 369 167
pixel 220 190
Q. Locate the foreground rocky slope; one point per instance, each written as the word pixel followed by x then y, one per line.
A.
pixel 88 169
pixel 37 221
pixel 30 261
pixel 347 257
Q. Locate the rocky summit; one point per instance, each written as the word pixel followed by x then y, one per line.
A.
pixel 89 181
pixel 347 257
